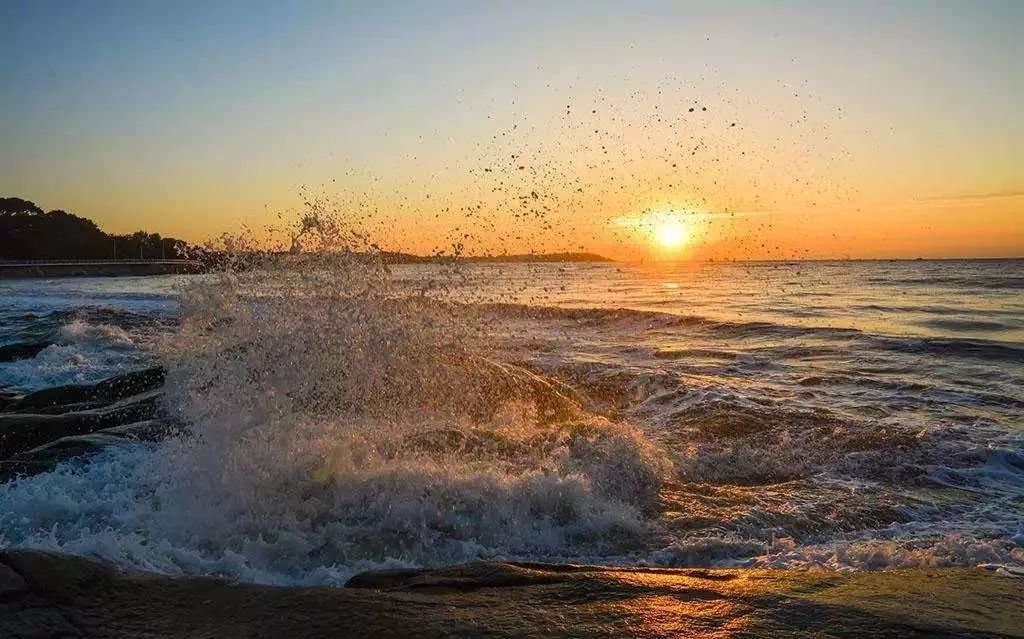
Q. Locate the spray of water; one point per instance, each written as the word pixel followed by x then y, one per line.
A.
pixel 334 420
pixel 336 416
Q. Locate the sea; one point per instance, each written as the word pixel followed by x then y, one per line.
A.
pixel 846 415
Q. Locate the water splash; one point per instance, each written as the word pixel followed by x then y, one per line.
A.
pixel 335 421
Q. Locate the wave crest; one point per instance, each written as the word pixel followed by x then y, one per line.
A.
pixel 336 422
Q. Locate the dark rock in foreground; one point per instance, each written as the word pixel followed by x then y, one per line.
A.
pixel 51 595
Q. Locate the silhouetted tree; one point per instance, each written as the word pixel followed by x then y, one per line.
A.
pixel 139 246
pixel 27 233
pixel 15 206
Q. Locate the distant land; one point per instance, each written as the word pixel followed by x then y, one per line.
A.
pixel 408 258
pixel 30 235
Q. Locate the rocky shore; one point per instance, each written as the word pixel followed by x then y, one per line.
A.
pixel 41 429
pixel 44 595
pixel 50 595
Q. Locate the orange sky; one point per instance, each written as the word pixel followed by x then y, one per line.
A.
pixel 796 130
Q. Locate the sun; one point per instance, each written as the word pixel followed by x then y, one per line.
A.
pixel 671 235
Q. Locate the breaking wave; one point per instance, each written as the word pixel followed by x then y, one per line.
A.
pixel 333 423
pixel 337 414
pixel 76 350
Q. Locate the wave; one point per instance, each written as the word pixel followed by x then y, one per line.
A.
pixel 334 505
pixel 20 327
pixel 988 350
pixel 334 422
pixel 336 425
pixel 988 282
pixel 621 319
pixel 647 320
pixel 964 325
pixel 75 352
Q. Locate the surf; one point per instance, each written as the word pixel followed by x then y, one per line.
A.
pixel 333 422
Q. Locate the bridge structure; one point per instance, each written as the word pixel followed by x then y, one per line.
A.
pixel 18 269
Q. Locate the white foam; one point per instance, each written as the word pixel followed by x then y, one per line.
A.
pixel 333 504
pixel 338 425
pixel 83 353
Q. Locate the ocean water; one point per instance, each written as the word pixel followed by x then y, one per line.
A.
pixel 851 415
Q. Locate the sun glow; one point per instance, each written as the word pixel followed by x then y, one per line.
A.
pixel 671 235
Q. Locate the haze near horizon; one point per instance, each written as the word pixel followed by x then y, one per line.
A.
pixel 644 130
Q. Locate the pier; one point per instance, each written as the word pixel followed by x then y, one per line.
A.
pixel 95 268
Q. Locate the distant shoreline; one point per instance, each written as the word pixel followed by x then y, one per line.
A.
pixel 46 268
pixel 29 269
pixel 518 258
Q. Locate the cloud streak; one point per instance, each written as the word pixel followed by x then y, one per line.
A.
pixel 968 197
pixel 653 218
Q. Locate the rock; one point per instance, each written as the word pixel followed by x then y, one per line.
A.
pixel 11 583
pixel 8 398
pixel 44 428
pixel 45 457
pixel 384 579
pixel 52 595
pixel 20 431
pixel 464 578
pixel 22 350
pixel 61 399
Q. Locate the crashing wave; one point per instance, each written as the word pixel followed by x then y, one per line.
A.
pixel 337 422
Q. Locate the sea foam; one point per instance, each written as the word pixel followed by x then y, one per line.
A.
pixel 335 423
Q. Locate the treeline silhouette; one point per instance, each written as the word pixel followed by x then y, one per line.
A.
pixel 29 233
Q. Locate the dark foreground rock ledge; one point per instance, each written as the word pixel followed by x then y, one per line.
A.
pixel 51 595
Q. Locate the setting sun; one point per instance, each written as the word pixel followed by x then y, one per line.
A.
pixel 671 234
pixel 613 319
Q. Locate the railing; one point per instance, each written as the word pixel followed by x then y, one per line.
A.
pixel 94 261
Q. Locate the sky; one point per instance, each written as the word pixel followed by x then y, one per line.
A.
pixel 818 129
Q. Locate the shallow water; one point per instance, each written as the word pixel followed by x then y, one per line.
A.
pixel 849 414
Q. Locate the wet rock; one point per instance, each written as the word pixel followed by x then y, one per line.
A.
pixel 62 399
pixel 11 583
pixel 464 578
pixel 8 398
pixel 22 431
pixel 22 350
pixel 45 594
pixel 45 457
